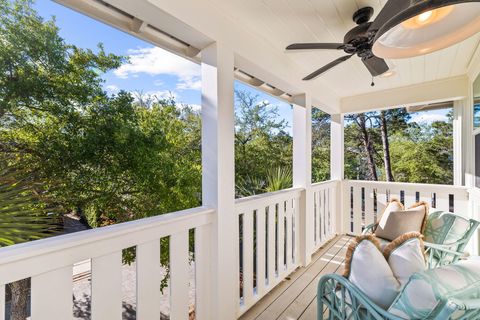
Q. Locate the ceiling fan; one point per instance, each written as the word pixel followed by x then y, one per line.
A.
pixel 357 41
pixel 402 29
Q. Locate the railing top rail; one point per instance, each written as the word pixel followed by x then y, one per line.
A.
pixel 474 192
pixel 268 196
pixel 185 219
pixel 421 186
pixel 325 183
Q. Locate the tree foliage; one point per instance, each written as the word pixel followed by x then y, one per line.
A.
pixel 263 147
pixel 421 153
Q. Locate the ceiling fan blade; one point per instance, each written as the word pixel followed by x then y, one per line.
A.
pixel 308 46
pixel 391 8
pixel 375 65
pixel 327 67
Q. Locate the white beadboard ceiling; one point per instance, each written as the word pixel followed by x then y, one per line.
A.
pixel 282 22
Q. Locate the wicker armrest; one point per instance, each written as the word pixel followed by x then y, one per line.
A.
pixel 370 228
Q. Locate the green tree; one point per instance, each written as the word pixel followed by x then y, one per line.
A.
pixel 421 153
pixel 108 158
pixel 22 218
pixel 263 147
pixel 320 145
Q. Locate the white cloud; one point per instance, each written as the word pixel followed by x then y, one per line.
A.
pixel 111 88
pixel 154 61
pixel 158 83
pixel 428 118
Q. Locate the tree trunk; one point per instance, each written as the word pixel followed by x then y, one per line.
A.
pixel 19 305
pixel 368 146
pixel 386 147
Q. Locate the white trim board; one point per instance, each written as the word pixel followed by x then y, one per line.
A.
pixel 449 89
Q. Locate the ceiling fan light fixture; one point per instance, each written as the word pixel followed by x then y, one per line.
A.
pixel 388 74
pixel 425 26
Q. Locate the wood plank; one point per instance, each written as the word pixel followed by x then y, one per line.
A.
pixel 248 258
pixel 271 246
pixel 276 292
pixel 107 287
pixel 311 311
pixel 369 212
pixel 347 209
pixel 289 216
pixel 261 278
pixel 409 198
pixel 179 276
pixel 308 295
pixel 281 239
pixel 203 289
pixel 2 302
pixel 277 307
pixel 323 198
pixel 316 226
pixel 52 295
pixel 148 280
pixel 442 202
pixel 331 218
pixel 357 210
pixel 296 245
pixel 320 209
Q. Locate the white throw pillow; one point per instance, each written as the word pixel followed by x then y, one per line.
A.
pixel 381 276
pixel 367 268
pixel 405 256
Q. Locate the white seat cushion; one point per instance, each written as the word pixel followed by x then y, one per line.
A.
pixel 426 291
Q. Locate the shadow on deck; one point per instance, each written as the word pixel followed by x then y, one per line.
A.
pixel 296 296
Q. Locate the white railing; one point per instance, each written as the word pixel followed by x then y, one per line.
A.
pixel 49 263
pixel 364 201
pixel 269 242
pixel 474 194
pixel 324 212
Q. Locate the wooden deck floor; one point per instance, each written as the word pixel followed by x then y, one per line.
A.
pixel 295 298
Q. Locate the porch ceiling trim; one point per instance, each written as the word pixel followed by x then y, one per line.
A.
pixel 199 24
pixel 449 89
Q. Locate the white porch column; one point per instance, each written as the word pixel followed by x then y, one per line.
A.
pixel 336 147
pixel 337 166
pixel 302 171
pixel 218 177
pixel 458 143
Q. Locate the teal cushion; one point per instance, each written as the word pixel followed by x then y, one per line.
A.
pixel 445 227
pixel 427 290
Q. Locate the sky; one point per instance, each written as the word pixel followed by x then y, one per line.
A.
pixel 154 71
pixel 151 71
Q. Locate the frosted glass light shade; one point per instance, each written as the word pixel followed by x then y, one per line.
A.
pixel 408 35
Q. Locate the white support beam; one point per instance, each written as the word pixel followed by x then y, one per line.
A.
pixel 302 171
pixel 337 147
pixel 337 157
pixel 468 147
pixel 454 88
pixel 218 176
pixel 459 141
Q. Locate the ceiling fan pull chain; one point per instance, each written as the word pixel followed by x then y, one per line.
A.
pixel 373 83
